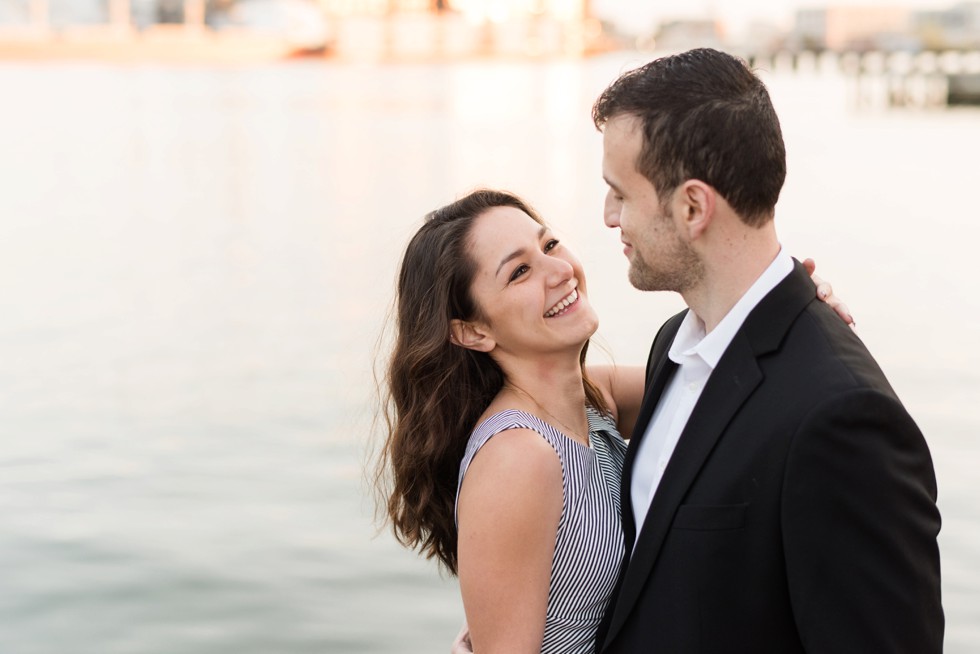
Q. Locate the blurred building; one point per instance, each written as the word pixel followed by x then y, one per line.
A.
pixel 162 30
pixel 58 14
pixel 492 10
pixel 762 36
pixel 455 28
pixel 357 28
pixel 849 27
pixel 949 29
pixel 684 34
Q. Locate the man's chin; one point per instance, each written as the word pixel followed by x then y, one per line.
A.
pixel 641 279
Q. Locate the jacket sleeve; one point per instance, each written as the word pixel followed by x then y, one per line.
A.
pixel 860 523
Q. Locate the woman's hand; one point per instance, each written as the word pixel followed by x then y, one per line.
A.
pixel 825 293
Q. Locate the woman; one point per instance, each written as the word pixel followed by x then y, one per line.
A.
pixel 504 454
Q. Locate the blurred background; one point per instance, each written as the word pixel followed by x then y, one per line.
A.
pixel 202 208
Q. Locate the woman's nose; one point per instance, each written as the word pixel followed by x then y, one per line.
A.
pixel 559 272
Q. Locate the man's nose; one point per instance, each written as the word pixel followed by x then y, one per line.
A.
pixel 610 212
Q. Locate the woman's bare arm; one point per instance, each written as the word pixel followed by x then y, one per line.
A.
pixel 622 387
pixel 509 507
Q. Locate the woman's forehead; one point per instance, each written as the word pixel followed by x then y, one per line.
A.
pixel 504 228
pixel 506 221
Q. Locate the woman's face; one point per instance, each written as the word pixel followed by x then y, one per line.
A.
pixel 529 288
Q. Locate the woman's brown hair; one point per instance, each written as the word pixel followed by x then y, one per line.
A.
pixel 436 391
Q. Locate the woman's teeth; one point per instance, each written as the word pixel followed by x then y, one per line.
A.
pixel 562 304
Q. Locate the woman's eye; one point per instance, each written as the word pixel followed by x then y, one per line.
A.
pixel 551 245
pixel 520 270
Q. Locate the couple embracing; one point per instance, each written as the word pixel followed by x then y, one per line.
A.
pixel 775 496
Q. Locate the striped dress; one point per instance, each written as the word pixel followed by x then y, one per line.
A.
pixel 589 544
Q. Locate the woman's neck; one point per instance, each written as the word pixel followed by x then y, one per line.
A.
pixel 553 391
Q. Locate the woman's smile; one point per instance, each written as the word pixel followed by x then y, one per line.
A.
pixel 563 305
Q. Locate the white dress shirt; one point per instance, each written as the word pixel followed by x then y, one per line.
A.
pixel 696 354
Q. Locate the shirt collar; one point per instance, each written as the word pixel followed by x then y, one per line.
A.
pixel 691 340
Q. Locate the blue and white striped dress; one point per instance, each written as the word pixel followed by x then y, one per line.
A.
pixel 589 544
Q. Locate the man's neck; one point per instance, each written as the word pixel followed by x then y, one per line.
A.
pixel 729 274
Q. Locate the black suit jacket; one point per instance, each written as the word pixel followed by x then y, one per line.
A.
pixel 797 512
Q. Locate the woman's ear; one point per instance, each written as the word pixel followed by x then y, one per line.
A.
pixel 469 335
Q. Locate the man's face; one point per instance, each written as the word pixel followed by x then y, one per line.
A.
pixel 660 259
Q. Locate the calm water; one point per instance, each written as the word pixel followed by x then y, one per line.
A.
pixel 194 268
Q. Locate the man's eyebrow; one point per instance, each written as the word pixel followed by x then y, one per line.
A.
pixel 611 185
pixel 516 253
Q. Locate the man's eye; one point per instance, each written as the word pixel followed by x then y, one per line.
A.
pixel 520 270
pixel 551 245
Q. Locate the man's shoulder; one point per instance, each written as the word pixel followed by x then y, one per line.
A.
pixel 827 353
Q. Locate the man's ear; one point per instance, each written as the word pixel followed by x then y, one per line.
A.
pixel 694 207
pixel 470 335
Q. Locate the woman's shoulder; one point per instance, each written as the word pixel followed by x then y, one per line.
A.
pixel 494 421
pixel 515 442
pixel 511 431
pixel 506 458
pixel 513 460
pixel 511 419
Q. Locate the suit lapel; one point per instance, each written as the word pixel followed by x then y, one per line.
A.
pixel 659 370
pixel 731 383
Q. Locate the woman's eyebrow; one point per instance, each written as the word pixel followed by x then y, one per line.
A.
pixel 516 253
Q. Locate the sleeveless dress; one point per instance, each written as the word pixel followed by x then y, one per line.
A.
pixel 589 544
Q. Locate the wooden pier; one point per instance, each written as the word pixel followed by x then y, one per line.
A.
pixel 898 79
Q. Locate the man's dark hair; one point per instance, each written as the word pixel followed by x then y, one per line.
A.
pixel 704 116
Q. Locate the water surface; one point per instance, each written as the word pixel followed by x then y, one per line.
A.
pixel 195 264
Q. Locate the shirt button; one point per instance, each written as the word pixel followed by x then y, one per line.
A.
pixel 662 465
pixel 693 386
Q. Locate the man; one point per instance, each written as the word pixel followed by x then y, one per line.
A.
pixel 777 497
